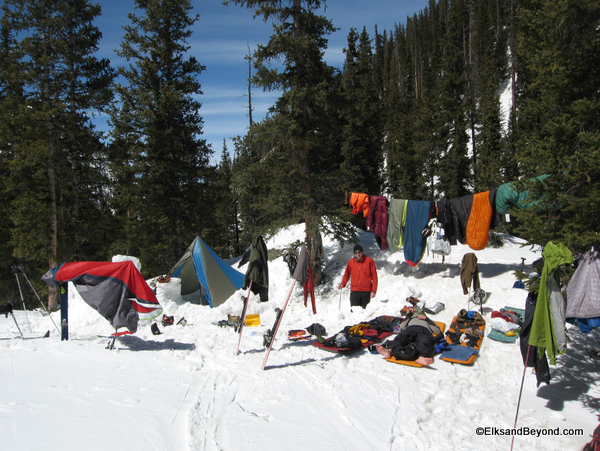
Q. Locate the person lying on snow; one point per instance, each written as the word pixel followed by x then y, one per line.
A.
pixel 415 341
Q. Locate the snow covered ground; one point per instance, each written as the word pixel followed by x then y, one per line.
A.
pixel 186 390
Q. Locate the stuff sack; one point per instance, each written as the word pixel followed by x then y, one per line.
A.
pixel 441 247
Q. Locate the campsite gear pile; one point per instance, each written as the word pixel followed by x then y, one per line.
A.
pixel 359 336
pixel 506 324
pixel 464 337
pixel 234 321
pixel 315 329
pixel 167 321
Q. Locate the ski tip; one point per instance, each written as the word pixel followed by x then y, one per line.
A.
pixel 46 335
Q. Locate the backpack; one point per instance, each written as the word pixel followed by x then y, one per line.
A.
pixel 292 260
pixel 437 240
pixel 441 247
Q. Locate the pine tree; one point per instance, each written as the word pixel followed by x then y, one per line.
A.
pixel 490 48
pixel 361 130
pixel 159 162
pixel 404 99
pixel 10 97
pixel 455 175
pixel 307 158
pixel 559 120
pixel 55 158
pixel 224 232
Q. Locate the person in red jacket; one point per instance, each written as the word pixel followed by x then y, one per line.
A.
pixel 363 274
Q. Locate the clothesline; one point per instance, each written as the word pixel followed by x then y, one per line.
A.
pixel 399 223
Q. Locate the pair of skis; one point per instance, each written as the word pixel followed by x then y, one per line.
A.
pixel 269 336
pixel 302 274
pixel 243 318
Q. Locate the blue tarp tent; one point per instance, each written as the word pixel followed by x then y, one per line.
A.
pixel 205 278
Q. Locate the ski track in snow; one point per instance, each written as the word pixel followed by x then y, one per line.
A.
pixel 186 390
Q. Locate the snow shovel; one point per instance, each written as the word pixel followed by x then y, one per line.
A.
pixel 252 320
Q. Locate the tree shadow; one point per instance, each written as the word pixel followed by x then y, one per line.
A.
pixel 452 270
pixel 576 373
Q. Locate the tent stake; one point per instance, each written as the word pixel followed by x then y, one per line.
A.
pixel 520 392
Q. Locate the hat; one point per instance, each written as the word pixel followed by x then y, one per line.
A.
pixel 358 247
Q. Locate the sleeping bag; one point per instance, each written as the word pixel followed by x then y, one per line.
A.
pixel 478 226
pixel 460 210
pixel 395 225
pixel 417 217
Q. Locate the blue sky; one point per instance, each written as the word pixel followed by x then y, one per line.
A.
pixel 220 41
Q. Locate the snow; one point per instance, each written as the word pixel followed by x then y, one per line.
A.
pixel 186 390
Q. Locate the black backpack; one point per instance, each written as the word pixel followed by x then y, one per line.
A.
pixel 291 260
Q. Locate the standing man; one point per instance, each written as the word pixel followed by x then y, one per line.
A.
pixel 364 278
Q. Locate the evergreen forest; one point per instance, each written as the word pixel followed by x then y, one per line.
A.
pixel 415 113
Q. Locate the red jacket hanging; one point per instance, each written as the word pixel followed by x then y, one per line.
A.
pixel 378 220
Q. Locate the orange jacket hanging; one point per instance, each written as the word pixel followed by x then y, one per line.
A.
pixel 360 202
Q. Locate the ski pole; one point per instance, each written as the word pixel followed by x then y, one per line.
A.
pixel 8 309
pixel 39 299
pixel 22 298
pixel 17 324
pixel 520 393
